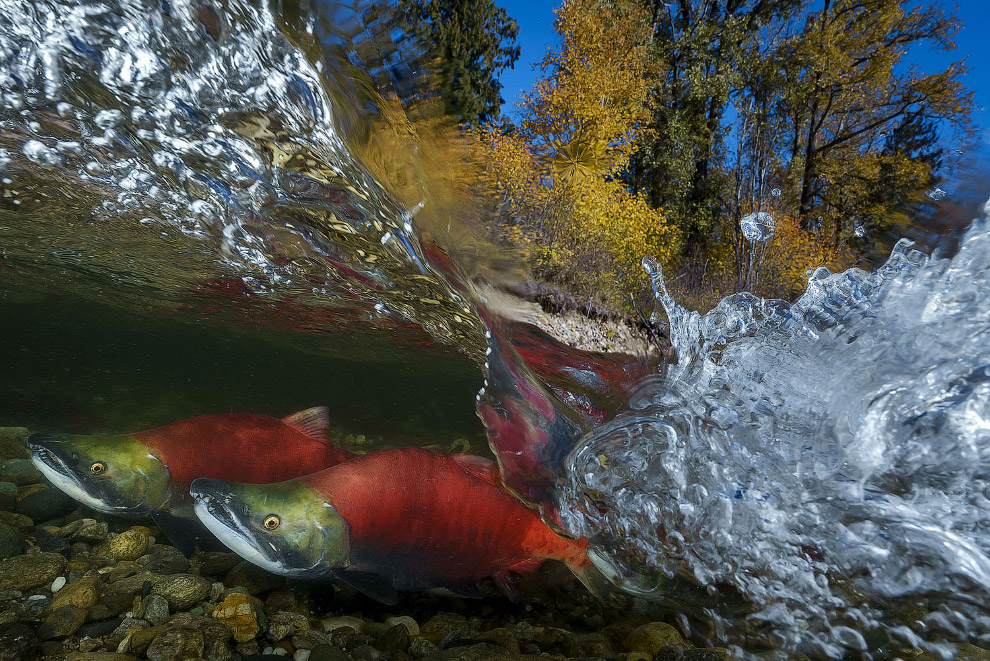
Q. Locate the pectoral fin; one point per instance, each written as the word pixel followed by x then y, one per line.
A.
pixel 372 585
pixel 185 531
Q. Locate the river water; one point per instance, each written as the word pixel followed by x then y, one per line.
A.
pixel 217 206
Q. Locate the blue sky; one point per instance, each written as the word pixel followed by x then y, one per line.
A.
pixel 536 34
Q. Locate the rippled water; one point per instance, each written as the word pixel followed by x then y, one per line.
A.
pixel 200 212
pixel 828 459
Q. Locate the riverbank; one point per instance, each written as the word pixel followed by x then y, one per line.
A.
pixel 582 326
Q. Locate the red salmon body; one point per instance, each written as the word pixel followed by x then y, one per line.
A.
pixel 420 520
pixel 244 447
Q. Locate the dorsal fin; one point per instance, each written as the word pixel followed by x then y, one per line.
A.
pixel 480 467
pixel 314 422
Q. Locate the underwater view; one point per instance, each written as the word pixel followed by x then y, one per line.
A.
pixel 265 392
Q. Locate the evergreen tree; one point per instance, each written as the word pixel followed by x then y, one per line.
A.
pixel 471 42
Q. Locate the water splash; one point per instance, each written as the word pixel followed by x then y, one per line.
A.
pixel 828 459
pixel 758 227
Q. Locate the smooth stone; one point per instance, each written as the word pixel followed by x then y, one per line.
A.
pixel 331 623
pixel 16 520
pixel 161 559
pixel 50 542
pixel 23 572
pixel 254 579
pixel 365 653
pixel 89 531
pixel 20 472
pixel 441 624
pixel 128 545
pixel 98 629
pixel 395 639
pixel 12 442
pixel 62 623
pixel 123 570
pixel 97 656
pixel 302 655
pixel 84 593
pixel 502 637
pixel 141 639
pixel 374 629
pixel 17 641
pixel 238 612
pixel 8 495
pixel 182 591
pixel 652 637
pixel 45 505
pixel 217 563
pixel 421 647
pixel 410 624
pixel 155 609
pixel 469 653
pixel 58 584
pixel 176 644
pixel 283 624
pixel 587 645
pixel 280 600
pixel 308 639
pixel 216 650
pixel 212 629
pixel 706 654
pixel 11 541
pixel 109 606
pixel 328 653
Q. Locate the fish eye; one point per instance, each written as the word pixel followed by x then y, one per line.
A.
pixel 98 468
pixel 271 522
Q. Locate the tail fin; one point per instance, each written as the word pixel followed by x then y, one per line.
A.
pixel 586 568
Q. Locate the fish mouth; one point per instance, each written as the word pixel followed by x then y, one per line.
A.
pixel 212 505
pixel 59 469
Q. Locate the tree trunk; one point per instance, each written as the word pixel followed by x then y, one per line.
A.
pixel 808 178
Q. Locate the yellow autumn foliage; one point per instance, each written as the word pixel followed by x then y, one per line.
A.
pixel 553 181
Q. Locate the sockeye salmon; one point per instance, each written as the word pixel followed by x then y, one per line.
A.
pixel 397 519
pixel 148 473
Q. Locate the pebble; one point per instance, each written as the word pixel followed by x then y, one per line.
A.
pixel 285 623
pixel 238 613
pixel 302 655
pixel 109 606
pixel 331 623
pixel 88 531
pixel 155 609
pixel 395 639
pixel 58 584
pixel 97 656
pixel 182 591
pixel 308 639
pixel 421 647
pixel 83 593
pixel 161 559
pixel 176 644
pixel 27 571
pixel 62 623
pixel 410 624
pixel 652 637
pixel 11 541
pixel 128 545
pixel 19 472
pixel 254 579
pixel 328 653
pixel 17 641
pixel 45 505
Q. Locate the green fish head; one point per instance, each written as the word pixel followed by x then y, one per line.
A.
pixel 112 474
pixel 288 528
